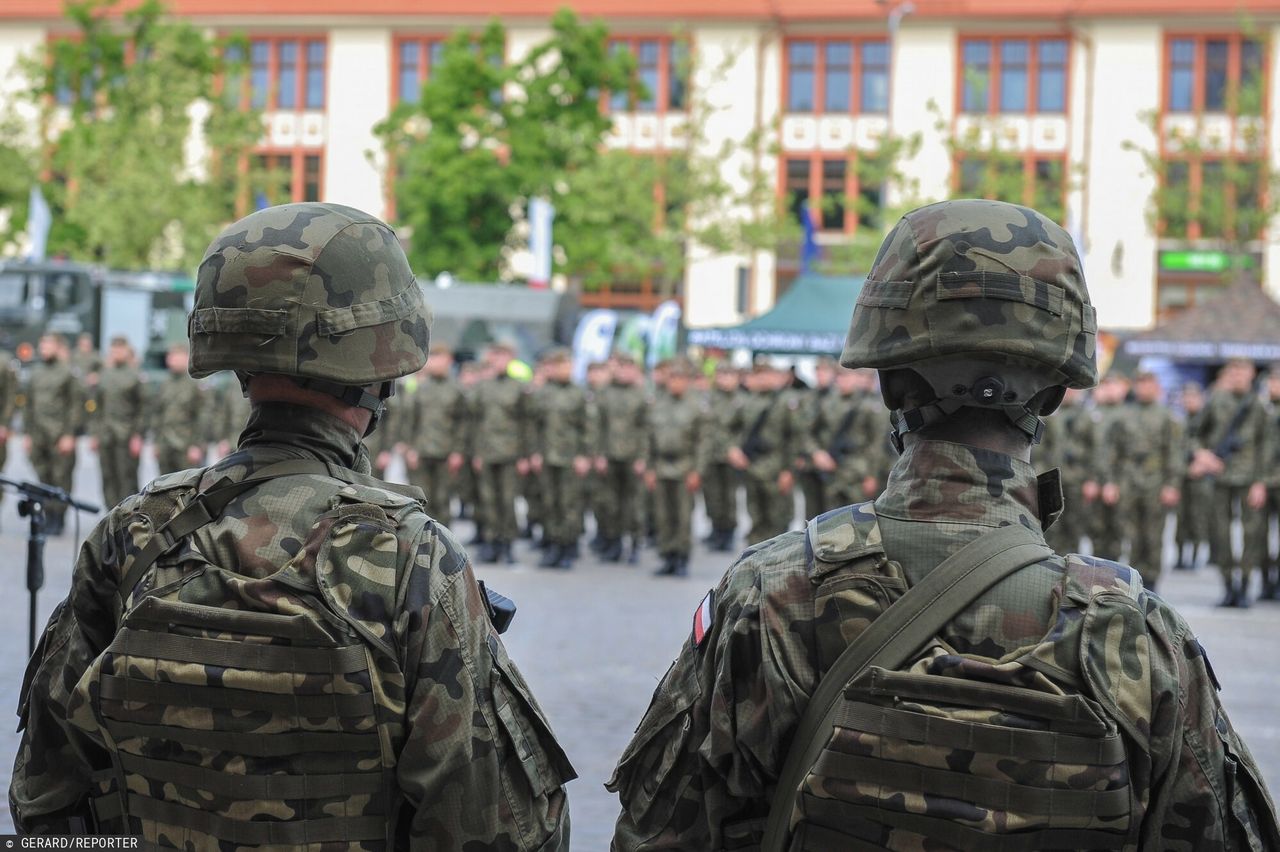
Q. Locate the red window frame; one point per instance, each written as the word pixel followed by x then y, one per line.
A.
pixel 994 43
pixel 852 187
pixel 303 42
pixel 297 157
pixel 424 43
pixel 661 97
pixel 819 72
pixel 1028 160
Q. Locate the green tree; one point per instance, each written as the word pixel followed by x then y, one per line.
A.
pixel 119 105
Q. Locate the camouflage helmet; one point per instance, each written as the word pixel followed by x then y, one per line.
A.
pixel 985 300
pixel 320 292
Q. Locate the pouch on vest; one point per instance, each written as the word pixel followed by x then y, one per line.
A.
pixel 253 711
pixel 921 747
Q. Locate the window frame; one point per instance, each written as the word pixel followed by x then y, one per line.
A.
pixel 995 43
pixel 1028 160
pixel 425 43
pixel 666 70
pixel 852 188
pixel 302 70
pixel 297 157
pixel 857 62
pixel 1235 43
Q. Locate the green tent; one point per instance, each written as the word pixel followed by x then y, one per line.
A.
pixel 811 318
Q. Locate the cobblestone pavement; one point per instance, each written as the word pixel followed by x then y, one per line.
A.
pixel 594 642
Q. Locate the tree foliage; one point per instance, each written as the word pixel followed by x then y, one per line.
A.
pixel 120 104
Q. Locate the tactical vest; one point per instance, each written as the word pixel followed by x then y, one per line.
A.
pixel 956 751
pixel 257 712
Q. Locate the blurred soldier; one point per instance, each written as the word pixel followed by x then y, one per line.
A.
pixel 530 484
pixel 1152 474
pixel 383 445
pixel 118 422
pixel 233 411
pixel 1231 448
pixel 177 409
pixel 1115 443
pixel 599 377
pixel 1196 506
pixel 328 640
pixel 842 443
pixel 764 426
pixel 470 374
pixel 501 418
pixel 1270 511
pixel 9 387
pixel 719 477
pixel 53 416
pixel 880 453
pixel 1069 446
pixel 623 413
pixel 814 405
pixel 85 360
pixel 957 715
pixel 434 456
pixel 677 452
pixel 561 442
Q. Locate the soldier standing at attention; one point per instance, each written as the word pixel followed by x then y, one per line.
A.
pixel 562 440
pixel 470 375
pixel 623 415
pixel 178 430
pixel 720 478
pixel 967 723
pixel 501 419
pixel 1152 475
pixel 677 454
pixel 845 440
pixel 327 638
pixel 1270 511
pixel 9 386
pixel 814 405
pixel 764 426
pixel 54 415
pixel 84 358
pixel 118 422
pixel 1231 448
pixel 599 377
pixel 532 484
pixel 1195 507
pixel 1068 445
pixel 433 457
pixel 1116 444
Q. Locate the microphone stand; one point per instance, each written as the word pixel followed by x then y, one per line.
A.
pixel 34 497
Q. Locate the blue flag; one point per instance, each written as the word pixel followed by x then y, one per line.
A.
pixel 809 248
pixel 261 200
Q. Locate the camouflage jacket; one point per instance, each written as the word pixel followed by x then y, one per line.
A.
pixel 120 404
pixel 771 447
pixel 55 402
pixel 437 421
pixel 722 409
pixel 500 429
pixel 177 414
pixel 622 413
pixel 561 424
pixel 1067 445
pixel 1157 452
pixel 1247 463
pixel 477 766
pixel 8 389
pixel 700 772
pixel 677 435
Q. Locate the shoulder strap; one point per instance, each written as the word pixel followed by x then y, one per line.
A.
pixel 891 640
pixel 208 505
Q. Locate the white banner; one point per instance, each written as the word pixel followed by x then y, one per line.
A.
pixel 541 215
pixel 593 340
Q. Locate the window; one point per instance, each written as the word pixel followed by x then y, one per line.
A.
pixel 1036 180
pixel 311 177
pixel 1214 73
pixel 415 59
pixel 288 176
pixel 797 187
pixel 834 193
pixel 837 76
pixel 661 74
pixel 1213 198
pixel 1013 75
pixel 828 187
pixel 287 73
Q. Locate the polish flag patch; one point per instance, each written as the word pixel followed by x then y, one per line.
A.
pixel 702 619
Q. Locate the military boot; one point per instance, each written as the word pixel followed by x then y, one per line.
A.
pixel 488 552
pixel 682 565
pixel 612 551
pixel 503 553
pixel 1270 584
pixel 568 556
pixel 724 543
pixel 551 556
pixel 668 568
pixel 633 552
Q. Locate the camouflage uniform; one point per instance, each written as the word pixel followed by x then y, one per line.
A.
pixel 850 432
pixel 1230 490
pixel 719 479
pixel 811 482
pixel 1270 511
pixel 119 417
pixel 1196 506
pixel 1155 463
pixel 178 423
pixel 622 413
pixel 561 434
pixel 55 408
pixel 677 448
pixel 438 420
pixel 770 452
pixel 976 289
pixel 1069 443
pixel 311 663
pixel 501 412
pixel 1116 444
pixel 9 387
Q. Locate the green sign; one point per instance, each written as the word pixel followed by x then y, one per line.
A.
pixel 1203 261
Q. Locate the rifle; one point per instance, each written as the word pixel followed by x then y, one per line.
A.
pixel 842 443
pixel 1230 444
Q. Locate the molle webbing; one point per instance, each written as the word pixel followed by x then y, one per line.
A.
pixel 252 833
pixel 326 705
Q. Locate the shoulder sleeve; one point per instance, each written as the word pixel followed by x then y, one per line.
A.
pixel 697 773
pixel 480 767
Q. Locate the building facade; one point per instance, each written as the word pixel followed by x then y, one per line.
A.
pixel 1070 93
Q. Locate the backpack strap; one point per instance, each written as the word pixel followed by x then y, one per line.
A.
pixel 891 640
pixel 208 505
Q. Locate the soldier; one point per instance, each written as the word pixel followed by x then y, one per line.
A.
pixel 677 452
pixel 327 639
pixel 53 417
pixel 233 411
pixel 719 478
pixel 764 426
pixel 118 422
pixel 501 417
pixel 84 360
pixel 1197 491
pixel 620 464
pixel 433 456
pixel 385 443
pixel 1154 468
pixel 599 378
pixel 1270 510
pixel 977 317
pixel 1231 448
pixel 8 404
pixel 808 418
pixel 177 405
pixel 470 375
pixel 562 440
pixel 844 438
pixel 1115 443
pixel 531 484
pixel 1068 447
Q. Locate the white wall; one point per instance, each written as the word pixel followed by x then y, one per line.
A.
pixel 1121 256
pixel 359 97
pixel 923 73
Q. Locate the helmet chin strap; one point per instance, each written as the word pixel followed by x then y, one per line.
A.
pixel 985 393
